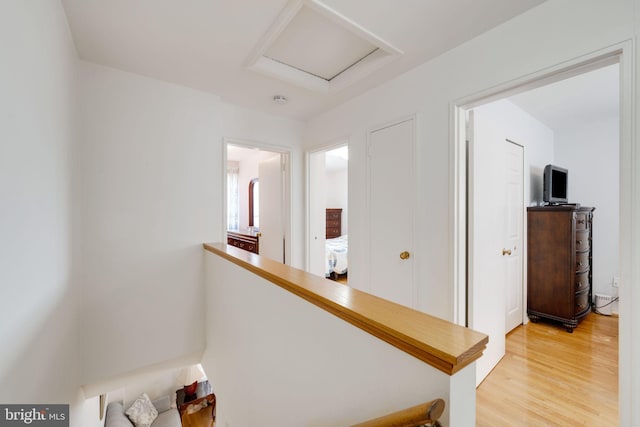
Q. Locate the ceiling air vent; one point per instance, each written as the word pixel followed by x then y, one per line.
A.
pixel 313 46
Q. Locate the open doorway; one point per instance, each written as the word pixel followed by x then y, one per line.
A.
pixel 328 225
pixel 573 120
pixel 257 199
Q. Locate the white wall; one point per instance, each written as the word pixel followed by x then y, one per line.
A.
pixel 513 50
pixel 591 154
pixel 152 169
pixel 290 363
pixel 149 194
pixel 154 384
pixel 538 141
pixel 38 293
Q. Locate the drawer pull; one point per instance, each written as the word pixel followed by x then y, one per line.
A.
pixel 581 221
pixel 579 242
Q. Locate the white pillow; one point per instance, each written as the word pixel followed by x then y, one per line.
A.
pixel 142 412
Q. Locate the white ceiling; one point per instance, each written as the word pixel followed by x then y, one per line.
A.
pixel 309 43
pixel 205 44
pixel 337 159
pixel 580 99
pixel 236 153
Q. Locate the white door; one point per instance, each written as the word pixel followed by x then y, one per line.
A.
pixel 317 213
pixel 391 209
pixel 513 254
pixel 496 209
pixel 271 178
pixel 486 238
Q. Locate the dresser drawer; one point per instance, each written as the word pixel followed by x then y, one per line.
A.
pixel 333 232
pixel 242 241
pixel 333 223
pixel 582 221
pixel 582 281
pixel 582 261
pixel 334 214
pixel 582 240
pixel 582 302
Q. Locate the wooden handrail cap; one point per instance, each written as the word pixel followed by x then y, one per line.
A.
pixel 436 409
pixel 438 342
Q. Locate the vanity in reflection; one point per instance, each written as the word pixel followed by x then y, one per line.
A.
pixel 247 242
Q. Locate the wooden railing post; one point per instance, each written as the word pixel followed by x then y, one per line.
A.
pixel 425 414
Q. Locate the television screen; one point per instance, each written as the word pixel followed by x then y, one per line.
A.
pixel 558 184
pixel 555 184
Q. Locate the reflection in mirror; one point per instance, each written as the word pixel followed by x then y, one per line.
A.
pixel 254 173
pixel 233 196
pixel 254 204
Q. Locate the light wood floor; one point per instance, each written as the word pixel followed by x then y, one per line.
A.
pixel 550 377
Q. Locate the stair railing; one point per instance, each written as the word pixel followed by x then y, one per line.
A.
pixel 423 415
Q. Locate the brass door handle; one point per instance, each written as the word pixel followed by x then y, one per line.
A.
pixel 506 252
pixel 405 255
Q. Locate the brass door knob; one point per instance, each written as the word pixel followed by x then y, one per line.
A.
pixel 506 252
pixel 405 255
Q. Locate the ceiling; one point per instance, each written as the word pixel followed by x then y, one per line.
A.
pixel 337 159
pixel 584 98
pixel 208 45
pixel 236 153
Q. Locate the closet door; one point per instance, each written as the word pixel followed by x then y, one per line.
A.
pixel 391 198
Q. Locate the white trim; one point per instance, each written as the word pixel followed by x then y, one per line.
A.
pixel 629 238
pixel 458 207
pixel 629 183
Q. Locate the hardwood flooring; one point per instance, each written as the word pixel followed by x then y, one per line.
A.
pixel 549 377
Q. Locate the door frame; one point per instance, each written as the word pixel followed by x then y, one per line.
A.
pixel 623 54
pixel 285 152
pixel 332 145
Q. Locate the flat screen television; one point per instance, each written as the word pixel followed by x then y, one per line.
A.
pixel 555 185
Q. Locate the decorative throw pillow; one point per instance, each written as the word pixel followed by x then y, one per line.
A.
pixel 142 412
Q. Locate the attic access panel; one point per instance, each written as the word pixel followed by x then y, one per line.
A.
pixel 313 46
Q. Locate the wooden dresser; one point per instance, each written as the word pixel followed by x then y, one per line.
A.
pixel 334 223
pixel 243 241
pixel 559 263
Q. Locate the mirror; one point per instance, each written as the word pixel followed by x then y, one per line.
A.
pixel 254 204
